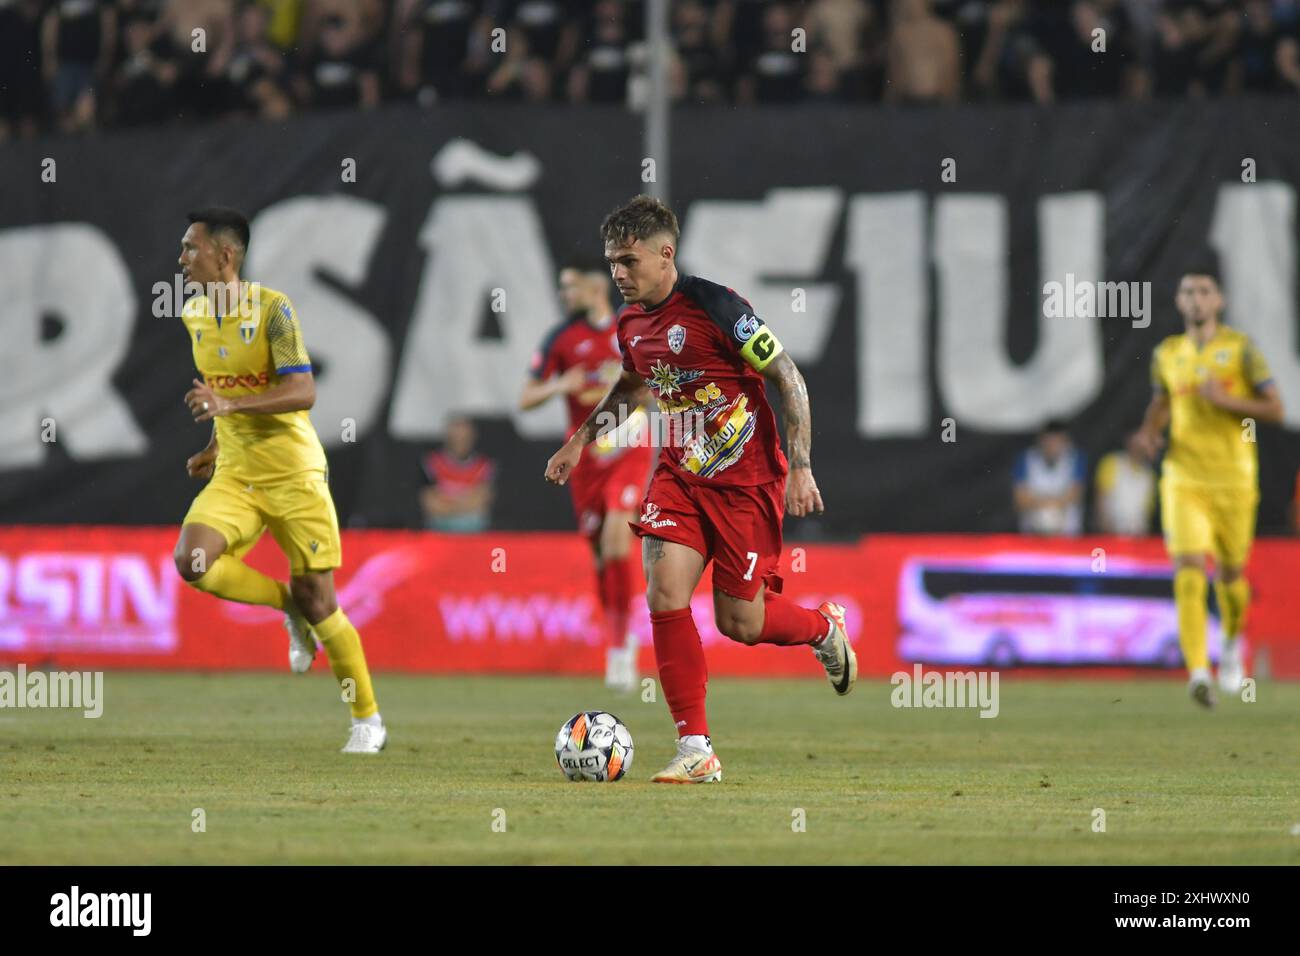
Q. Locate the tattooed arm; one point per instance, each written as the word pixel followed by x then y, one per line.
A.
pixel 628 390
pixel 801 494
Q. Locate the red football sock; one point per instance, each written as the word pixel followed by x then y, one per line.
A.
pixel 785 622
pixel 683 672
pixel 615 596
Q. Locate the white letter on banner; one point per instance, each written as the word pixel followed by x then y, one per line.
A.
pixel 788 233
pixel 979 385
pixel 73 272
pixel 475 244
pixel 1254 235
pixel 343 231
pixel 885 248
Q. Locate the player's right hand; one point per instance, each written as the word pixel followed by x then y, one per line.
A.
pixel 202 465
pixel 562 463
pixel 574 380
pixel 1148 443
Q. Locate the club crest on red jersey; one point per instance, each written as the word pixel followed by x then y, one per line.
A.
pixel 676 339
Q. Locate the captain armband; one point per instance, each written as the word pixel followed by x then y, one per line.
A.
pixel 761 348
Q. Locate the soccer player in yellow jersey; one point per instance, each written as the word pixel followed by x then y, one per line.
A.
pixel 265 464
pixel 1211 387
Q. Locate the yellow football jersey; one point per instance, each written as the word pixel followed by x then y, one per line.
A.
pixel 1209 445
pixel 244 353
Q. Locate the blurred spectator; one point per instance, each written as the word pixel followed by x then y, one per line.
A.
pixel 1288 64
pixel 72 64
pixel 144 86
pixel 1003 63
pixel 432 48
pixel 1268 60
pixel 1049 483
pixel 551 36
pixel 738 30
pixel 600 75
pixel 851 34
pixel 256 70
pixel 78 40
pixel 837 26
pixel 1088 50
pixel 1125 492
pixel 520 75
pixel 822 83
pixel 970 18
pixel 284 18
pixel 22 95
pixel 924 56
pixel 458 496
pixel 700 62
pixel 1194 45
pixel 775 74
pixel 341 50
pixel 198 36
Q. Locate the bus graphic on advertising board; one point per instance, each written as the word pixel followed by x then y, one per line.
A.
pixel 1034 610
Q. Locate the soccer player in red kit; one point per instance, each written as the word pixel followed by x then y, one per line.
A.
pixel 580 360
pixel 722 485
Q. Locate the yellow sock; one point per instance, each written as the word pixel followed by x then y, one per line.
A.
pixel 233 580
pixel 1189 596
pixel 1234 600
pixel 348 661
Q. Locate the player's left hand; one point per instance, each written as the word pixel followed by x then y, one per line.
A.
pixel 801 494
pixel 205 404
pixel 1213 392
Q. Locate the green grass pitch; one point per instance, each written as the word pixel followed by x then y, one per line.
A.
pixel 258 754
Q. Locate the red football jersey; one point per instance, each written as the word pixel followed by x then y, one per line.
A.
pixel 578 343
pixel 700 351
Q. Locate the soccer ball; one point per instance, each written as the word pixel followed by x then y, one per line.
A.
pixel 593 745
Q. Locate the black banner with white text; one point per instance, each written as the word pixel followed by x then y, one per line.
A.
pixel 902 257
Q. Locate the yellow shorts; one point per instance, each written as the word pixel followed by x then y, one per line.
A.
pixel 1208 520
pixel 300 515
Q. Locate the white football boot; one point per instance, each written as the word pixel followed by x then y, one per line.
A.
pixel 835 653
pixel 366 739
pixel 1200 688
pixel 302 641
pixel 620 669
pixel 1232 669
pixel 691 765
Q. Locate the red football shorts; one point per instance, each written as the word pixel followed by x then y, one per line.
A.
pixel 599 489
pixel 739 528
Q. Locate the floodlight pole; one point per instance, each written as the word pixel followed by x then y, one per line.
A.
pixel 658 103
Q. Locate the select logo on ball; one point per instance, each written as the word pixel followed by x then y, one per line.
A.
pixel 593 745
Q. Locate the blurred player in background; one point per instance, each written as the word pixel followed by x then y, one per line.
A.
pixel 580 360
pixel 720 489
pixel 265 465
pixel 1211 387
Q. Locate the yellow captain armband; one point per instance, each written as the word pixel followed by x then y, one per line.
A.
pixel 761 348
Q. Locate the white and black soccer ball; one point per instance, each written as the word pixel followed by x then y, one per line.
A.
pixel 593 745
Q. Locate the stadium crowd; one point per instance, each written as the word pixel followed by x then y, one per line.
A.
pixel 78 64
